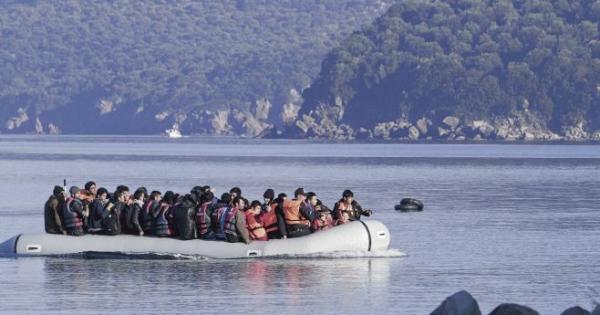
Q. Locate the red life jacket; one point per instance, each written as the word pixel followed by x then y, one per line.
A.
pixel 203 219
pixel 323 222
pixel 256 228
pixel 224 220
pixel 345 213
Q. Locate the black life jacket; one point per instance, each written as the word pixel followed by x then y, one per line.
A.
pixel 73 221
pixel 147 216
pixel 162 223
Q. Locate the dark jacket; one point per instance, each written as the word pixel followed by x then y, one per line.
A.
pixel 73 216
pixel 53 215
pixel 132 217
pixel 97 213
pixel 241 227
pixel 185 215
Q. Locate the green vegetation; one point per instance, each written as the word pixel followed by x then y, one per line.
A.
pixel 166 55
pixel 475 59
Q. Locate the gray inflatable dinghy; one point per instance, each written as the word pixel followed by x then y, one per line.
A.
pixel 354 236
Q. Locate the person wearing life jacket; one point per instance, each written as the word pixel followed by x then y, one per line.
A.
pixel 185 217
pixel 111 217
pixel 297 215
pixel 53 220
pixel 74 213
pixel 224 204
pixel 162 225
pixel 229 222
pixel 254 224
pixel 268 215
pixel 150 211
pixel 324 219
pixel 97 211
pixel 91 188
pixel 347 209
pixel 133 212
pixel 203 215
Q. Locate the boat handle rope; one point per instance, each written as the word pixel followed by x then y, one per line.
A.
pixel 368 233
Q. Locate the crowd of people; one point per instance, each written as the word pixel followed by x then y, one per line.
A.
pixel 198 214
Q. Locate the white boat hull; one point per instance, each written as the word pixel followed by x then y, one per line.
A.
pixel 354 236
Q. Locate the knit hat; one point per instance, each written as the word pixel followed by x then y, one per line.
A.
pixel 58 190
pixel 74 189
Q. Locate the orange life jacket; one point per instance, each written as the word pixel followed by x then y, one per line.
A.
pixel 291 213
pixel 269 219
pixel 256 228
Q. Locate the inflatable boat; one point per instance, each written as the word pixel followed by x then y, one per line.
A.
pixel 354 236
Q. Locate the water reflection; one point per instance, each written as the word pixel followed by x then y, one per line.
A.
pixel 295 283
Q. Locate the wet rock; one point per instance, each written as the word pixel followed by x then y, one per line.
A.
pixel 261 109
pixel 460 303
pixel 39 128
pixel 289 113
pixel 363 134
pixel 423 125
pixel 53 129
pixel 576 310
pixel 413 133
pixel 451 122
pixel 16 121
pixel 105 107
pixel 513 309
pixel 576 133
pixel 442 133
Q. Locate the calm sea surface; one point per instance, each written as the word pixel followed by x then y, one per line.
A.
pixel 509 223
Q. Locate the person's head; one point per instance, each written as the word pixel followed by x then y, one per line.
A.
pixel 102 193
pixel 122 190
pixel 75 192
pixel 206 189
pixel 91 187
pixel 300 194
pixel 155 195
pixel 255 207
pixel 239 203
pixel 269 195
pixel 235 192
pixel 311 198
pixel 139 194
pixel 282 197
pixel 196 190
pixel 348 196
pixel 58 191
pixel 226 198
pixel 169 197
pixel 207 196
pixel 121 196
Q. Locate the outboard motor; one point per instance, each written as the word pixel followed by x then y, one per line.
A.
pixel 185 214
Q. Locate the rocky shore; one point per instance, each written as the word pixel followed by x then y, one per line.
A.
pixel 463 303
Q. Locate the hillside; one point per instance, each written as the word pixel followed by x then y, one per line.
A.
pixel 460 69
pixel 71 66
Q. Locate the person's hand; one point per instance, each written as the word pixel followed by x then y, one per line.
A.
pixel 368 213
pixel 141 233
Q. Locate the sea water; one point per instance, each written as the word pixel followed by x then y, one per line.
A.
pixel 509 223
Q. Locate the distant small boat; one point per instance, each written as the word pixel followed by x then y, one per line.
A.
pixel 364 236
pixel 173 133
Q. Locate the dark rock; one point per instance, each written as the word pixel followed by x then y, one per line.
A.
pixel 513 309
pixel 576 310
pixel 460 303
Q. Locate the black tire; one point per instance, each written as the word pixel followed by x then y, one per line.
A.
pixel 409 204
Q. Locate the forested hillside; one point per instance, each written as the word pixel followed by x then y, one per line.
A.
pixel 138 66
pixel 528 67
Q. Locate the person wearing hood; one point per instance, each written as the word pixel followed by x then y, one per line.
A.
pixel 184 215
pixel 53 220
pixel 133 212
pixel 74 212
pixel 347 209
